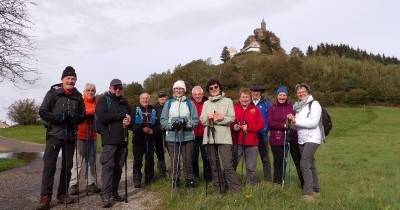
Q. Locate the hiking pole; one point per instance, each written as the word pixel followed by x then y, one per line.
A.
pixel 63 117
pixel 244 148
pixel 87 156
pixel 173 156
pixel 126 166
pixel 76 158
pixel 212 129
pixel 94 154
pixel 207 150
pixel 285 151
pixel 146 165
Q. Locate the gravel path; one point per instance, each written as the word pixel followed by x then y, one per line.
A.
pixel 20 187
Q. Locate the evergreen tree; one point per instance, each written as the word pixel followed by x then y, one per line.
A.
pixel 225 55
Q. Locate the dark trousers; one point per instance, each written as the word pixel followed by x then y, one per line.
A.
pixel 53 146
pixel 140 150
pixel 184 149
pixel 278 153
pixel 160 152
pixel 308 169
pixel 249 153
pixel 222 153
pixel 198 147
pixel 264 155
pixel 112 160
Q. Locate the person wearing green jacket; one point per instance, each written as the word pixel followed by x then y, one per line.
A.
pixel 217 115
pixel 179 117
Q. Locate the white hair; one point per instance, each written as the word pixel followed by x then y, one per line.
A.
pixel 89 86
pixel 197 88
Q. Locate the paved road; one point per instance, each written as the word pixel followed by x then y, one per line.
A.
pixel 20 187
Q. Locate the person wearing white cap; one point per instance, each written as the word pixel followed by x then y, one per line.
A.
pixel 178 117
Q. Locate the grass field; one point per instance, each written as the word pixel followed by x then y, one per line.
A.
pixel 6 164
pixel 359 168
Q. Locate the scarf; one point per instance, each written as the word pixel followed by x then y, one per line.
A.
pixel 298 105
pixel 217 97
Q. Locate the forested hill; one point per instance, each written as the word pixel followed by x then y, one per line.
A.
pixel 334 77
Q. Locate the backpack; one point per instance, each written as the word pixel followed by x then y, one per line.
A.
pixel 188 103
pixel 97 124
pixel 325 121
pixel 139 116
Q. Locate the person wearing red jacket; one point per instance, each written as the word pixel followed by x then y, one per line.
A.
pixel 86 144
pixel 248 122
pixel 198 99
pixel 276 121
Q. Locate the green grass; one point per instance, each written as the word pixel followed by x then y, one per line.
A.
pixel 6 164
pixel 359 168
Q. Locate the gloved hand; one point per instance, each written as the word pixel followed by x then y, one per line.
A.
pixel 183 124
pixel 236 127
pixel 176 125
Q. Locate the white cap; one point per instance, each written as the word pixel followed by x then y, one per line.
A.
pixel 179 84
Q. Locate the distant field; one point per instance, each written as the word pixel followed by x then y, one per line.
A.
pixel 358 169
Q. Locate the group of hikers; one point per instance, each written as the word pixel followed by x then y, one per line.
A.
pixel 221 131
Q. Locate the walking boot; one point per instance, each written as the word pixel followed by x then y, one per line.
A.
pixel 189 183
pixel 44 203
pixel 73 190
pixel 105 201
pixel 64 198
pixel 116 197
pixel 93 189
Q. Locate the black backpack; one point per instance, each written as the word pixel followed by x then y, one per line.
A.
pixel 326 120
pixel 97 124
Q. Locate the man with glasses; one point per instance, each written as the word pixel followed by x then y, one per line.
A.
pixel 159 136
pixel 263 104
pixel 86 145
pixel 113 111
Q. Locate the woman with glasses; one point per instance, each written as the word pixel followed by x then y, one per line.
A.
pixel 306 122
pixel 217 115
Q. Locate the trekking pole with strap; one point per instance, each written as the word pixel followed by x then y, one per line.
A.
pixel 87 156
pixel 126 160
pixel 243 148
pixel 286 149
pixel 146 165
pixel 76 158
pixel 65 150
pixel 212 129
pixel 94 154
pixel 173 158
pixel 178 165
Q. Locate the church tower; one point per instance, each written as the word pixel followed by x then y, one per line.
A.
pixel 263 25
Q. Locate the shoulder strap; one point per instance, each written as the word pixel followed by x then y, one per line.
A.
pixel 153 116
pixel 309 105
pixel 169 103
pixel 138 116
pixel 108 100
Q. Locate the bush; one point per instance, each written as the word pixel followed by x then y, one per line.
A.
pixel 357 96
pixel 24 112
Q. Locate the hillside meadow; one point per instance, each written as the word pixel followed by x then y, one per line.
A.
pixel 359 168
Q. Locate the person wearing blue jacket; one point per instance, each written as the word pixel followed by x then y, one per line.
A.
pixel 263 104
pixel 179 117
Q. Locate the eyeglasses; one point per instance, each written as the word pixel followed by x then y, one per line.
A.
pixel 214 87
pixel 117 88
pixel 91 90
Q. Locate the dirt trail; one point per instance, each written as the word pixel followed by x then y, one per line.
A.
pixel 20 187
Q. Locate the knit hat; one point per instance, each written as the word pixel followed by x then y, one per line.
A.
pixel 115 82
pixel 68 71
pixel 179 84
pixel 282 89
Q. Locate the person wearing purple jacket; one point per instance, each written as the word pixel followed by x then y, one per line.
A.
pixel 276 121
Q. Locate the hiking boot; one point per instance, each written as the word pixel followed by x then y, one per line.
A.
pixel 189 183
pixel 93 189
pixel 316 194
pixel 105 202
pixel 73 190
pixel 308 198
pixel 64 198
pixel 116 197
pixel 44 203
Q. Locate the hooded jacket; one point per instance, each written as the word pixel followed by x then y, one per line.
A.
pixel 111 120
pixel 55 103
pixel 307 123
pixel 224 106
pixel 199 128
pixel 264 105
pixel 179 110
pixel 85 129
pixel 276 120
pixel 253 118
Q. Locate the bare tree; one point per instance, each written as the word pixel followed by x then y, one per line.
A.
pixel 16 48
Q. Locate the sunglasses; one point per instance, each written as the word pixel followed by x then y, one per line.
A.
pixel 214 87
pixel 117 88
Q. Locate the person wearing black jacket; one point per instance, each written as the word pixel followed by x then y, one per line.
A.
pixel 159 136
pixel 113 113
pixel 62 109
pixel 143 142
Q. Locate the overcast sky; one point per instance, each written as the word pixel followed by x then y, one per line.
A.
pixel 131 39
